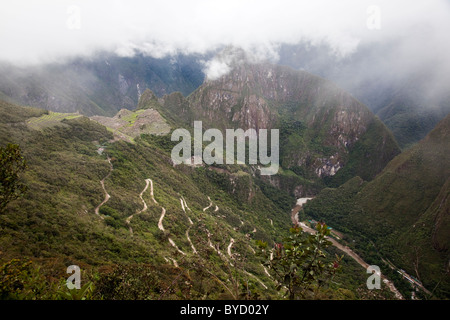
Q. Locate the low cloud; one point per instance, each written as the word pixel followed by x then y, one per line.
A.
pixel 216 68
pixel 34 32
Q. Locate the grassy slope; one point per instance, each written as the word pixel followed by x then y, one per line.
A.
pixel 54 224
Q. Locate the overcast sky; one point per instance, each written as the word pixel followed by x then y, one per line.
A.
pixel 36 31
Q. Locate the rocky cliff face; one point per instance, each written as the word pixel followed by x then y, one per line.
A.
pixel 231 102
pixel 320 124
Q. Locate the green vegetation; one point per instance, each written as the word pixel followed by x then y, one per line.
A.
pixel 326 137
pixel 101 86
pixel 368 156
pixel 411 114
pixel 196 238
pixel 401 211
pixel 54 225
pixel 55 220
pixel 298 263
pixel 11 164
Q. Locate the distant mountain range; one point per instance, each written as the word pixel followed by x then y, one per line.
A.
pixel 410 101
pixel 98 86
pixel 408 104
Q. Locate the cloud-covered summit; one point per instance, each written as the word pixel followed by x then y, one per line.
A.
pixel 45 31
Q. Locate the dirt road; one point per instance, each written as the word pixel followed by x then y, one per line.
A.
pixel 102 182
pixel 345 249
pixel 147 181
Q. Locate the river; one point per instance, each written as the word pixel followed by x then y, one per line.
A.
pixel 345 249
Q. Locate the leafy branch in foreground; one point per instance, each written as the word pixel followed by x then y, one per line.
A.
pixel 299 263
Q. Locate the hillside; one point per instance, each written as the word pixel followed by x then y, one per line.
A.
pixel 409 105
pixel 326 136
pixel 410 102
pixel 125 214
pixel 56 223
pixel 403 211
pixel 411 112
pixel 105 194
pixel 105 84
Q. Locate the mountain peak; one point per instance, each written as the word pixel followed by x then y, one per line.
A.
pixel 147 100
pixel 320 124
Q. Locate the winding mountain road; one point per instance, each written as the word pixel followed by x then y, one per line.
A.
pixel 160 225
pixel 102 182
pixel 209 206
pixel 151 191
pixel 175 246
pixel 184 206
pixel 147 182
pixel 190 242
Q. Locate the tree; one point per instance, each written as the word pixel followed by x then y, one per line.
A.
pixel 299 263
pixel 11 164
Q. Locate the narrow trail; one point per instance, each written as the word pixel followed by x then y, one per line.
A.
pixel 184 206
pixel 216 208
pixel 231 264
pixel 210 205
pixel 189 239
pixel 151 191
pixel 174 262
pixel 102 182
pixel 216 248
pixel 230 246
pixel 175 246
pixel 160 225
pixel 267 272
pixel 147 181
